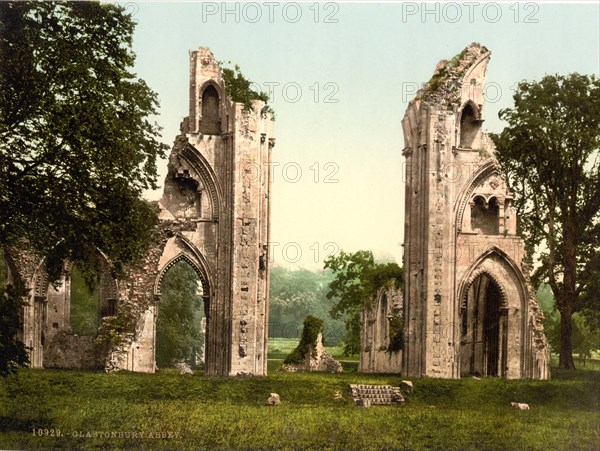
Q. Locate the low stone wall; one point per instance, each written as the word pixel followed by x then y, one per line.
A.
pixel 76 352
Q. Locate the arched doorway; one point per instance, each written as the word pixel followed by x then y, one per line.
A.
pixel 483 329
pixel 181 320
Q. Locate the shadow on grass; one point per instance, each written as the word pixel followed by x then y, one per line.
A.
pixel 13 424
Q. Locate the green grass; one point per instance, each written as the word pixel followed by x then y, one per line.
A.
pixel 229 413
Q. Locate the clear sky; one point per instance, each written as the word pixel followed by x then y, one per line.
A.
pixel 341 75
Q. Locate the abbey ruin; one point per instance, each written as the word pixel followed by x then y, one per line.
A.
pixel 468 306
pixel 214 215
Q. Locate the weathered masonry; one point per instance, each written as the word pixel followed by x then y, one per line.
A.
pixel 379 321
pixel 214 215
pixel 469 307
pixel 57 331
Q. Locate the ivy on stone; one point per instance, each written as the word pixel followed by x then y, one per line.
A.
pixel 396 333
pixel 310 333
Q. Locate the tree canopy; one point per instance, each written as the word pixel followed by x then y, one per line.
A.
pixel 550 151
pixel 296 294
pixel 77 147
pixel 357 279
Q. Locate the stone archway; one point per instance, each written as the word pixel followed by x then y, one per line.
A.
pixel 484 329
pixel 142 353
pixel 182 314
pixel 493 314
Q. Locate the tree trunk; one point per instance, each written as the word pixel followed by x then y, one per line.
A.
pixel 569 294
pixel 566 348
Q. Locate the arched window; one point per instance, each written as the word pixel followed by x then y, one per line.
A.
pixel 485 216
pixel 85 305
pixel 469 126
pixel 383 321
pixel 210 122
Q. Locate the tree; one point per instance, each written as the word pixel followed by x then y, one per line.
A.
pixel 590 296
pixel 178 332
pixel 357 280
pixel 296 294
pixel 585 335
pixel 550 152
pixel 13 352
pixel 76 145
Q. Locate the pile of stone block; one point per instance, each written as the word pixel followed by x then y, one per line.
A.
pixel 368 395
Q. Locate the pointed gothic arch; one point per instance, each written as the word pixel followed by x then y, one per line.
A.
pixel 496 264
pixel 205 171
pixel 49 327
pixel 492 304
pixel 210 109
pixel 470 124
pixel 194 262
pixel 486 171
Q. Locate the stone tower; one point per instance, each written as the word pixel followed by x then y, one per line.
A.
pixel 468 307
pixel 214 214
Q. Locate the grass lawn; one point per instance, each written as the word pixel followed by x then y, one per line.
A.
pixel 70 409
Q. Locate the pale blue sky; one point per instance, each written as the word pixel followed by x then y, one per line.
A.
pixel 370 62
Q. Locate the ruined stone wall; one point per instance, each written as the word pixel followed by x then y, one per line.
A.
pixel 71 351
pixel 460 224
pixel 214 215
pixel 250 242
pixel 47 330
pixel 377 355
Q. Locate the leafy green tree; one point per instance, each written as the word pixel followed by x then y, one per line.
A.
pixel 13 352
pixel 357 278
pixel 550 152
pixel 585 338
pixel 590 296
pixel 296 294
pixel 77 147
pixel 178 326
